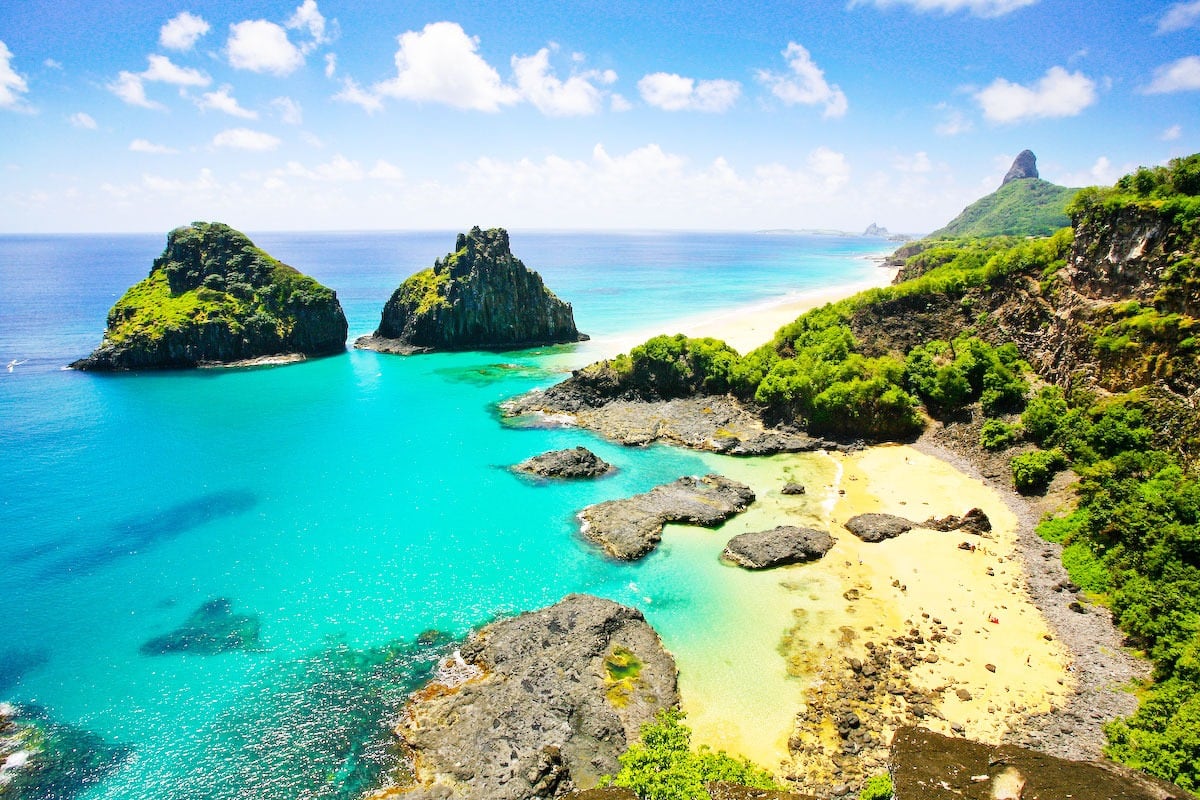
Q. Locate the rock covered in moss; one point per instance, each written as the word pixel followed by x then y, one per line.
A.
pixel 540 704
pixel 480 296
pixel 212 297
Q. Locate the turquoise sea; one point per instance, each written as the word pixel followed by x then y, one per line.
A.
pixel 348 504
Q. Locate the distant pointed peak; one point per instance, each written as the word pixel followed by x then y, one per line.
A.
pixel 1024 166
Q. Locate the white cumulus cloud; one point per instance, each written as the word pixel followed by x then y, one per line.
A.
pixel 163 70
pixel 1178 76
pixel 805 84
pixel 1058 93
pixel 182 31
pixel 12 83
pixel 980 8
pixel 356 95
pixel 245 139
pixel 146 146
pixel 221 100
pixel 441 64
pixel 129 87
pixel 308 17
pixel 672 92
pixel 330 64
pixel 1172 133
pixel 289 110
pixel 83 120
pixel 261 46
pixel 577 95
pixel 953 123
pixel 1180 17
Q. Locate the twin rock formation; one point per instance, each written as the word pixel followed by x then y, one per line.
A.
pixel 213 298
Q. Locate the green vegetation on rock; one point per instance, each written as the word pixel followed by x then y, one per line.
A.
pixel 662 765
pixel 877 787
pixel 1028 207
pixel 213 297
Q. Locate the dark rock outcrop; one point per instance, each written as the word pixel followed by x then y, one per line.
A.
pixel 630 528
pixel 974 521
pixel 793 488
pixel 212 628
pixel 928 766
pixel 538 705
pixel 214 298
pixel 479 297
pixel 783 545
pixel 42 758
pixel 1023 166
pixel 574 462
pixel 877 527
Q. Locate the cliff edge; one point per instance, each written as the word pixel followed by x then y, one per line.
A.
pixel 478 297
pixel 212 297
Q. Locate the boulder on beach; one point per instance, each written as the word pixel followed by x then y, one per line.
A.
pixel 631 527
pixel 877 527
pixel 573 462
pixel 538 705
pixel 778 547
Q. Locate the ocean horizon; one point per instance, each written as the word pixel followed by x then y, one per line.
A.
pixel 349 506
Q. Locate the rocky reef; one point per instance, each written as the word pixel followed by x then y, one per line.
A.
pixel 480 296
pixel 213 628
pixel 538 705
pixel 214 298
pixel 574 462
pixel 631 527
pixel 42 758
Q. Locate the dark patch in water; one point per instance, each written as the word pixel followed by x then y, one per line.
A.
pixel 64 760
pixel 137 534
pixel 486 374
pixel 212 628
pixel 319 730
pixel 16 663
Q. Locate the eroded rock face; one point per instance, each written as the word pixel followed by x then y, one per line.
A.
pixel 778 547
pixel 1023 166
pixel 574 462
pixel 928 766
pixel 631 527
pixel 212 297
pixel 542 703
pixel 480 296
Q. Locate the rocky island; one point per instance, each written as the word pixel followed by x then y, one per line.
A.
pixel 213 298
pixel 480 296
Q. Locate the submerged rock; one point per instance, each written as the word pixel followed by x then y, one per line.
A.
pixel 631 527
pixel 41 758
pixel 212 628
pixel 479 297
pixel 575 462
pixel 929 766
pixel 214 298
pixel 778 547
pixel 540 704
pixel 877 527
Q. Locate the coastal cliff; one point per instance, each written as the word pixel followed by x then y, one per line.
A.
pixel 212 297
pixel 478 297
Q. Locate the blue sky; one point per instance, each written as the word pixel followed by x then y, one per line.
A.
pixel 141 115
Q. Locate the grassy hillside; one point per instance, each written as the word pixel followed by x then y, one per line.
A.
pixel 1027 207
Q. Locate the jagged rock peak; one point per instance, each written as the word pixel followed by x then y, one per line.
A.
pixel 1024 166
pixel 478 297
pixel 876 230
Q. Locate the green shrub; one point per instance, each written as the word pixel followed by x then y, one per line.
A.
pixel 1032 472
pixel 662 766
pixel 877 787
pixel 998 435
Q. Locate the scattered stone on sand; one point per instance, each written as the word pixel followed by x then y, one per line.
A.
pixel 778 547
pixel 573 462
pixel 877 527
pixel 631 527
pixel 213 628
pixel 929 766
pixel 538 705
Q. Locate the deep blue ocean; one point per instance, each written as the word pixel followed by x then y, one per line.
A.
pixel 347 504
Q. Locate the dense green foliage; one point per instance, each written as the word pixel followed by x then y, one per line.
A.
pixel 1027 207
pixel 877 787
pixel 997 435
pixel 1032 472
pixel 676 366
pixel 662 765
pixel 947 376
pixel 210 272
